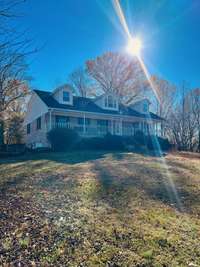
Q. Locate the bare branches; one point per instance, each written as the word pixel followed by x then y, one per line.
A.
pixel 14 50
pixel 7 7
pixel 80 81
pixel 179 106
pixel 116 73
pixel 166 93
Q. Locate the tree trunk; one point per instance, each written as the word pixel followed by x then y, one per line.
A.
pixel 199 141
pixel 1 133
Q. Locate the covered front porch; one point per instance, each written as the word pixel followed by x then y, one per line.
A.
pixel 91 125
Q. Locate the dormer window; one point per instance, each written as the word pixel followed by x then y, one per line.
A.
pixel 63 95
pixel 145 107
pixel 110 102
pixel 66 96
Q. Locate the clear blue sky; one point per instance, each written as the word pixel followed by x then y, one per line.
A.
pixel 73 31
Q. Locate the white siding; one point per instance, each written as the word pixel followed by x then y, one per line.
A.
pixel 58 95
pixel 36 108
pixel 101 102
pixel 138 106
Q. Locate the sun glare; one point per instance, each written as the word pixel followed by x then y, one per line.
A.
pixel 134 46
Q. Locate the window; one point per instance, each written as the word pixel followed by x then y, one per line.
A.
pixel 87 121
pixel 114 103
pixel 106 102
pixel 110 102
pixel 102 122
pixel 28 128
pixel 66 97
pixel 145 107
pixel 62 121
pixel 81 121
pixel 38 123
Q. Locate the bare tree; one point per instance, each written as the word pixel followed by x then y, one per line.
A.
pixel 119 74
pixel 166 95
pixel 14 130
pixel 13 120
pixel 80 82
pixel 14 49
pixel 194 97
pixel 7 7
pixel 181 120
pixel 13 79
pixel 165 101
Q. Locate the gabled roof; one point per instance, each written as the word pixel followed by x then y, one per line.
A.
pixel 64 86
pixel 103 95
pixel 139 99
pixel 88 105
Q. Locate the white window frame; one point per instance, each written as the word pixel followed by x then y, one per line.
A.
pixel 110 102
pixel 145 107
pixel 63 97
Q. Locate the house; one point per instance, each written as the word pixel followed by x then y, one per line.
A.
pixel 88 116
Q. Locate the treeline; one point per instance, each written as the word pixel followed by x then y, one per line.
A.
pixel 15 49
pixel 180 107
pixel 122 75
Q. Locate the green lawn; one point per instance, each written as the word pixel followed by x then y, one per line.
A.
pixel 100 209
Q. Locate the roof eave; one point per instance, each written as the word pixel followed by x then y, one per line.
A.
pixel 104 114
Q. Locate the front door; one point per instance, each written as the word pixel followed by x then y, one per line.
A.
pixel 116 127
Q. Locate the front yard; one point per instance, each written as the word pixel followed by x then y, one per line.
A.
pixel 100 209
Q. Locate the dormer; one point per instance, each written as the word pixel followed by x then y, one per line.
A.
pixel 63 94
pixel 108 101
pixel 141 106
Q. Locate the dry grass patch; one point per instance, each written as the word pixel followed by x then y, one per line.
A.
pixel 100 209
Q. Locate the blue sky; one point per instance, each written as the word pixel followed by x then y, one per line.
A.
pixel 73 31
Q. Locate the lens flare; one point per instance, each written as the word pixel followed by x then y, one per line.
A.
pixel 121 17
pixel 134 46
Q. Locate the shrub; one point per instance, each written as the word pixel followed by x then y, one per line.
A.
pixel 140 139
pixel 113 142
pixel 108 142
pixel 158 143
pixel 94 143
pixel 142 142
pixel 164 144
pixel 62 139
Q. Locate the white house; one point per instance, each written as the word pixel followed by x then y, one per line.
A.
pixel 88 116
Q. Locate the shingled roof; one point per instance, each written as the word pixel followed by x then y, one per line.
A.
pixel 88 105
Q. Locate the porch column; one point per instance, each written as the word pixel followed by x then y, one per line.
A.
pixel 156 128
pixel 150 128
pixel 112 126
pixel 84 128
pixel 50 120
pixel 45 118
pixel 141 126
pixel 121 127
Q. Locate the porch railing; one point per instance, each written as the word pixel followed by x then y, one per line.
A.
pixel 97 130
pixel 86 130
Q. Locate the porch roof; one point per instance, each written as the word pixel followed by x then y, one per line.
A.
pixel 87 105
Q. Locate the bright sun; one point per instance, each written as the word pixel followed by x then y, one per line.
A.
pixel 134 46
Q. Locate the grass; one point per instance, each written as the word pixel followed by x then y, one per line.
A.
pixel 100 209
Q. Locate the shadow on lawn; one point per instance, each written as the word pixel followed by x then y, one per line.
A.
pixel 60 157
pixel 22 168
pixel 118 191
pixel 122 177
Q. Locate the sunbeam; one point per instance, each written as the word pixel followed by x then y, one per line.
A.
pixel 134 47
pixel 121 17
